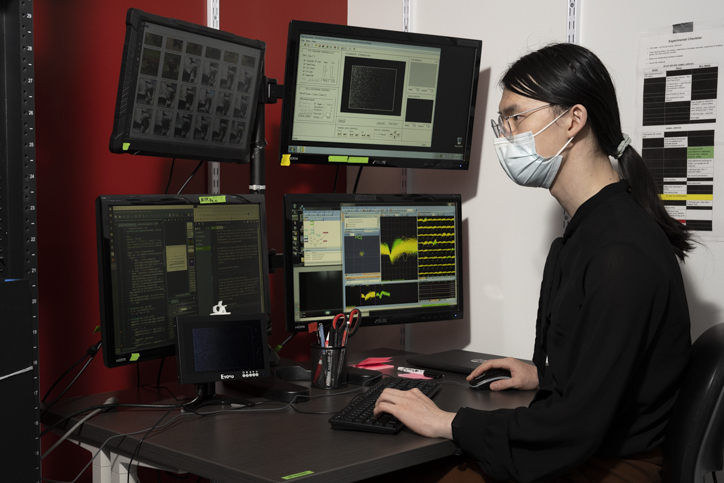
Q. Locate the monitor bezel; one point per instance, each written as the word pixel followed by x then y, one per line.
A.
pixel 185 353
pixel 122 142
pixel 381 317
pixel 297 28
pixel 105 289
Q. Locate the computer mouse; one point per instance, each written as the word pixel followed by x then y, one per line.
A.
pixel 483 380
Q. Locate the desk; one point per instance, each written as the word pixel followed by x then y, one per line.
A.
pixel 269 446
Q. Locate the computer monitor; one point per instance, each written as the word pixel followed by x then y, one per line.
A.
pixel 163 256
pixel 396 258
pixel 186 91
pixel 377 97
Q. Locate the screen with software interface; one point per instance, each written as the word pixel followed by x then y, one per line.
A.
pixel 384 98
pixel 167 258
pixel 395 258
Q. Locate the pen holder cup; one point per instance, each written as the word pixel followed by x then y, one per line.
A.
pixel 329 367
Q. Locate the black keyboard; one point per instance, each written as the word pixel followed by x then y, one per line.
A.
pixel 358 415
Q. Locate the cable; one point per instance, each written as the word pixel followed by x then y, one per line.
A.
pixel 357 180
pixel 110 400
pixel 138 447
pixel 90 359
pixel 91 351
pixel 192 175
pixel 170 175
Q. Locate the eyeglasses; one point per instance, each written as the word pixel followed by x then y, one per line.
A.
pixel 503 128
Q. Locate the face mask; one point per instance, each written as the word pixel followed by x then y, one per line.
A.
pixel 523 164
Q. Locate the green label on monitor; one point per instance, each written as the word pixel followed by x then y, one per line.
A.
pixel 359 160
pixel 126 146
pixel 303 473
pixel 337 159
pixel 212 199
pixel 134 357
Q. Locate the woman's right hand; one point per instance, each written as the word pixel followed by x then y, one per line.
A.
pixel 523 376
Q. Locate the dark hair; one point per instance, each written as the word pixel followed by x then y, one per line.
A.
pixel 568 74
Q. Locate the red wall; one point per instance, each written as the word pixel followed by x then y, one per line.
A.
pixel 78 46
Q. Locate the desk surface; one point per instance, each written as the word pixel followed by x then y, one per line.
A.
pixel 265 446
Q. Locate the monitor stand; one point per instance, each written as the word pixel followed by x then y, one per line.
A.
pixel 206 396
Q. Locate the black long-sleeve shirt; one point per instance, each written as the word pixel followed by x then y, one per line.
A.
pixel 613 323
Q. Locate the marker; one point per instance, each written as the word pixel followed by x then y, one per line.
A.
pixel 410 370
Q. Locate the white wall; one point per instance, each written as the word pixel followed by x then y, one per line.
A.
pixel 508 229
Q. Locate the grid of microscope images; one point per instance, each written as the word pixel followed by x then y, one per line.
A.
pixel 192 91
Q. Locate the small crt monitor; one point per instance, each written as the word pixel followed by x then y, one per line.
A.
pixel 167 256
pixel 221 347
pixel 396 258
pixel 186 91
pixel 375 97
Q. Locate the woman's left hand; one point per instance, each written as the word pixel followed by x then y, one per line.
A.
pixel 416 411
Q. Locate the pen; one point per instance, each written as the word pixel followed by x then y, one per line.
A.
pixel 321 334
pixel 410 370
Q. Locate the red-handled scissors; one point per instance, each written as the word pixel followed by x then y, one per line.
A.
pixel 346 327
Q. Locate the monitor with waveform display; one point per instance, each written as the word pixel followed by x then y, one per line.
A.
pixel 396 258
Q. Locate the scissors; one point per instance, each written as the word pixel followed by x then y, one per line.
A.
pixel 344 327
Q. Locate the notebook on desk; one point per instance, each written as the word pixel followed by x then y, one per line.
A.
pixel 460 361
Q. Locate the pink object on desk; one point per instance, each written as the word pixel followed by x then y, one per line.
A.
pixel 375 363
pixel 412 376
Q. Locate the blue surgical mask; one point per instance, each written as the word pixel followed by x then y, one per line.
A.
pixel 523 164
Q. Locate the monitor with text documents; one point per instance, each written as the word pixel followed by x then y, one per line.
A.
pixel 375 97
pixel 186 90
pixel 167 256
pixel 396 258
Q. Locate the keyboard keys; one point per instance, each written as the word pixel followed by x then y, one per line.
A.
pixel 358 414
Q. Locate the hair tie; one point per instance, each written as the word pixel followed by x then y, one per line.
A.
pixel 622 146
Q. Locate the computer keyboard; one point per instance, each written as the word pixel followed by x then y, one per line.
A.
pixel 358 415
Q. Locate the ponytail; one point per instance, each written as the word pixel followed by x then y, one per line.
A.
pixel 645 192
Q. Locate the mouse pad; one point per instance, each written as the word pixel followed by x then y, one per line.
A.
pixel 460 361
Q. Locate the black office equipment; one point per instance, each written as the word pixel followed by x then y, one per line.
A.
pixel 221 347
pixel 358 414
pixel 396 258
pixel 186 91
pixel 360 96
pixel 163 256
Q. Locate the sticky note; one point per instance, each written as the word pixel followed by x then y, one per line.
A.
pixel 286 161
pixel 337 159
pixel 359 159
pixel 126 146
pixel 212 199
pixel 97 329
pixel 135 356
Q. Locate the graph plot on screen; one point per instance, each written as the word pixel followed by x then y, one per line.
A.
pixel 398 246
pixel 436 252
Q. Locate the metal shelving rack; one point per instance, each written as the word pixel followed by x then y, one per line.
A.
pixel 18 227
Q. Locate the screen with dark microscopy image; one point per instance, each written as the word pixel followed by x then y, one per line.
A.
pixel 187 87
pixel 373 86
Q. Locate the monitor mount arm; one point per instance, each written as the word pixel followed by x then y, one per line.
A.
pixel 270 93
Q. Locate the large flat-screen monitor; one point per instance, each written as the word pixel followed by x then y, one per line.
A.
pixel 186 91
pixel 161 257
pixel 396 258
pixel 376 97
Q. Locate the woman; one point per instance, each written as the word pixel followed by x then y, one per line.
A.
pixel 612 335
